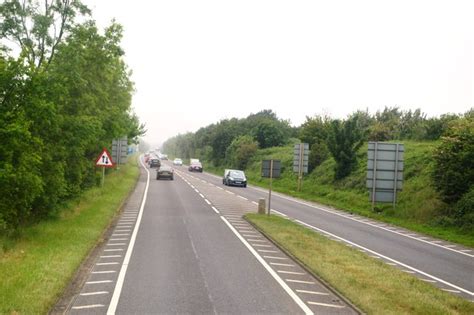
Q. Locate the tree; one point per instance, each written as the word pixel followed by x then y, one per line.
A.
pixel 37 28
pixel 240 151
pixel 344 140
pixel 314 131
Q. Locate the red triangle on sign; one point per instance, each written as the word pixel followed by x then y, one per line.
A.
pixel 104 159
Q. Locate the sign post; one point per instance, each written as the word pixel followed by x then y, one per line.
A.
pixel 384 171
pixel 120 150
pixel 104 160
pixel 300 161
pixel 270 169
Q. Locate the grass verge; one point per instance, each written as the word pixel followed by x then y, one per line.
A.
pixel 38 265
pixel 370 284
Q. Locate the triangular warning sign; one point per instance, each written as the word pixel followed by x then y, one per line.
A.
pixel 104 159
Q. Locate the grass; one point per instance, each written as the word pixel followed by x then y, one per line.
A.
pixel 419 207
pixel 370 284
pixel 37 266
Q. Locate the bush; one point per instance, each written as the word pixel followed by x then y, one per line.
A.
pixel 453 174
pixel 464 210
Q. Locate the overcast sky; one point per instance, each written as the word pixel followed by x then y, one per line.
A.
pixel 196 62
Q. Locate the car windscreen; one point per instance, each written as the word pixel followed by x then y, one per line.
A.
pixel 239 174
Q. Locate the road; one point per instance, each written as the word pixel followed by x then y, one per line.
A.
pixel 448 266
pixel 184 248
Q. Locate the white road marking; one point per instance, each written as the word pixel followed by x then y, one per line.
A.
pixel 466 250
pixel 450 246
pixel 267 251
pixel 215 210
pixel 428 280
pixel 98 282
pixel 391 264
pixel 353 218
pixel 284 265
pixel 111 256
pixel 123 230
pixel 261 245
pixel 288 290
pixel 113 250
pixel 87 306
pixel 312 292
pixel 324 304
pixel 291 272
pixel 121 277
pixel 254 240
pixel 94 293
pixel 229 192
pixel 250 234
pixel 207 201
pixel 122 234
pixel 116 244
pixel 202 196
pixel 242 197
pixel 452 291
pixel 274 257
pixel 105 271
pixel 300 281
pixel 107 263
pixel 408 271
pixel 388 258
pixel 373 256
pixel 280 213
pixel 118 239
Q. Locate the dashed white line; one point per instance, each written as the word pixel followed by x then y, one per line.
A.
pixel 207 201
pixel 215 210
pixel 242 197
pixel 202 196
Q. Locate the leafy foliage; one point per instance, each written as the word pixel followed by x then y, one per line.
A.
pixel 64 98
pixel 240 151
pixel 344 139
pixel 453 175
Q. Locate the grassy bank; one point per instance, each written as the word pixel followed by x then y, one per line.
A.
pixel 419 207
pixel 372 285
pixel 36 267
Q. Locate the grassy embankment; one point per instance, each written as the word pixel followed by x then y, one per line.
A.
pixel 373 286
pixel 418 206
pixel 37 266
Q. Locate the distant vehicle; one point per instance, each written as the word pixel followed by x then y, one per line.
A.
pixel 154 162
pixel 164 157
pixel 235 178
pixel 165 171
pixel 178 162
pixel 195 167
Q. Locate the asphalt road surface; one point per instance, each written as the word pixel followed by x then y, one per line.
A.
pixel 446 265
pixel 184 248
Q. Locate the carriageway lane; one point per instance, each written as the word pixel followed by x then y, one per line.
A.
pixel 185 260
pixel 449 266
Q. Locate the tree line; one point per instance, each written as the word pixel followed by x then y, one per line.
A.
pixel 233 143
pixel 65 93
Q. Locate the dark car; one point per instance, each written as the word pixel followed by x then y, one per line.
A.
pixel 165 172
pixel 154 162
pixel 235 178
pixel 195 167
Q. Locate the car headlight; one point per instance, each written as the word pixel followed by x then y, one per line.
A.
pixel 231 178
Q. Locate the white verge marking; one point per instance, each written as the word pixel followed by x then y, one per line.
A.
pixel 280 213
pixel 267 251
pixel 113 250
pixel 312 292
pixel 118 239
pixel 116 244
pixel 280 281
pixel 428 280
pixel 274 257
pixel 94 293
pixel 105 271
pixel 87 306
pixel 253 240
pixel 284 265
pixel 388 258
pixel 261 245
pixel 255 203
pixel 300 281
pixel 452 291
pixel 121 277
pixel 291 272
pixel 242 197
pixel 111 256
